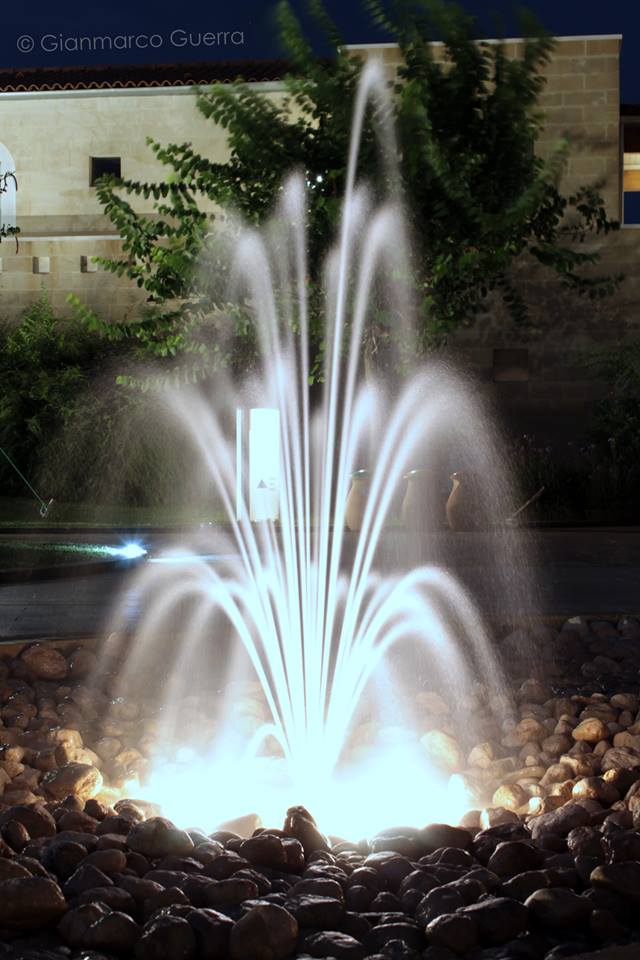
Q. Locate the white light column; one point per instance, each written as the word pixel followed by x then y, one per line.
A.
pixel 264 463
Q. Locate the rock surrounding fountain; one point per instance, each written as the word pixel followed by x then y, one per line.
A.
pixel 331 642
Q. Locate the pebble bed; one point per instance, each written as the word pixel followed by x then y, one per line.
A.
pixel 549 868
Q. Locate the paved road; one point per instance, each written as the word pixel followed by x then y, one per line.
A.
pixel 587 571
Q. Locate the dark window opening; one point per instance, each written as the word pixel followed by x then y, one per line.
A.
pixel 102 165
pixel 510 366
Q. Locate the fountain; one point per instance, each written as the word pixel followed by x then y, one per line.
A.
pixel 287 662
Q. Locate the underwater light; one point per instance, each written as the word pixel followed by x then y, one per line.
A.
pixel 130 551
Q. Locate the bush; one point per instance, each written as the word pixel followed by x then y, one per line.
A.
pixel 71 428
pixel 43 368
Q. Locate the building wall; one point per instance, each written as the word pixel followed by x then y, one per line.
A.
pixel 25 275
pixel 52 137
pixel 559 393
pixel 581 102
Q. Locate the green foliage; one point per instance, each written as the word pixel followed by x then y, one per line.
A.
pixel 42 369
pixel 597 477
pixel 616 426
pixel 478 196
pixel 70 427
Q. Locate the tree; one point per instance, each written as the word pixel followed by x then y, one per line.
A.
pixel 459 123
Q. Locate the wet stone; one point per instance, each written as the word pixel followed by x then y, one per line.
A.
pixel 30 903
pixel 419 880
pixel 498 919
pixel 165 897
pixel 75 923
pixel 230 892
pixel 114 932
pixel 438 835
pixel 560 822
pixel 86 877
pixel 486 841
pixel 167 878
pixel 16 835
pixel 390 867
pixel 456 932
pixel 622 845
pixel 311 910
pixel 338 946
pixel 319 887
pixel 166 938
pixel 45 662
pixel 557 908
pixel 585 842
pixel 524 884
pixel 157 837
pixel 266 930
pixel 112 897
pixel 300 825
pixel 80 779
pixel 226 865
pixel 514 856
pixel 140 888
pixel 212 931
pixel 37 821
pixel 264 850
pixel 378 937
pixel 622 879
pixel 437 902
pixel 386 901
pixel 110 862
pixel 358 898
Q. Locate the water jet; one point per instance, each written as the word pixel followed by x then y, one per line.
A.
pixel 328 645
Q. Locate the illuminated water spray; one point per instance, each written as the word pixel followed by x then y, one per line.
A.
pixel 286 656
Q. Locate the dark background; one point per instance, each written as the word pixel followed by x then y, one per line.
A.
pixel 254 19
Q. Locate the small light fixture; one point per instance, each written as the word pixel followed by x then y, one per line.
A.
pixel 41 264
pixel 88 264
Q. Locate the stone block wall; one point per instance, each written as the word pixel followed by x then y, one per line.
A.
pixel 51 138
pixel 112 297
pixel 560 394
pixel 581 102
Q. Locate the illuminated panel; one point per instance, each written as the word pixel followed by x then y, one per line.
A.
pixel 264 464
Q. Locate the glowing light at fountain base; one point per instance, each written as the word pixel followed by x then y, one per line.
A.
pixel 392 786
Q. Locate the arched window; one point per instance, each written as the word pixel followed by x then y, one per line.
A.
pixel 8 198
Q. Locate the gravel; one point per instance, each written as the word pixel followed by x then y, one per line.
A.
pixel 548 864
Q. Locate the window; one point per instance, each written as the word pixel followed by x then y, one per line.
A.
pixel 510 366
pixel 102 165
pixel 8 198
pixel 631 171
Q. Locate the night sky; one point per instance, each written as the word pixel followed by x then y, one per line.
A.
pixel 44 33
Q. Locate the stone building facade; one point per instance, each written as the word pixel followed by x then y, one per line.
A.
pixel 58 128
